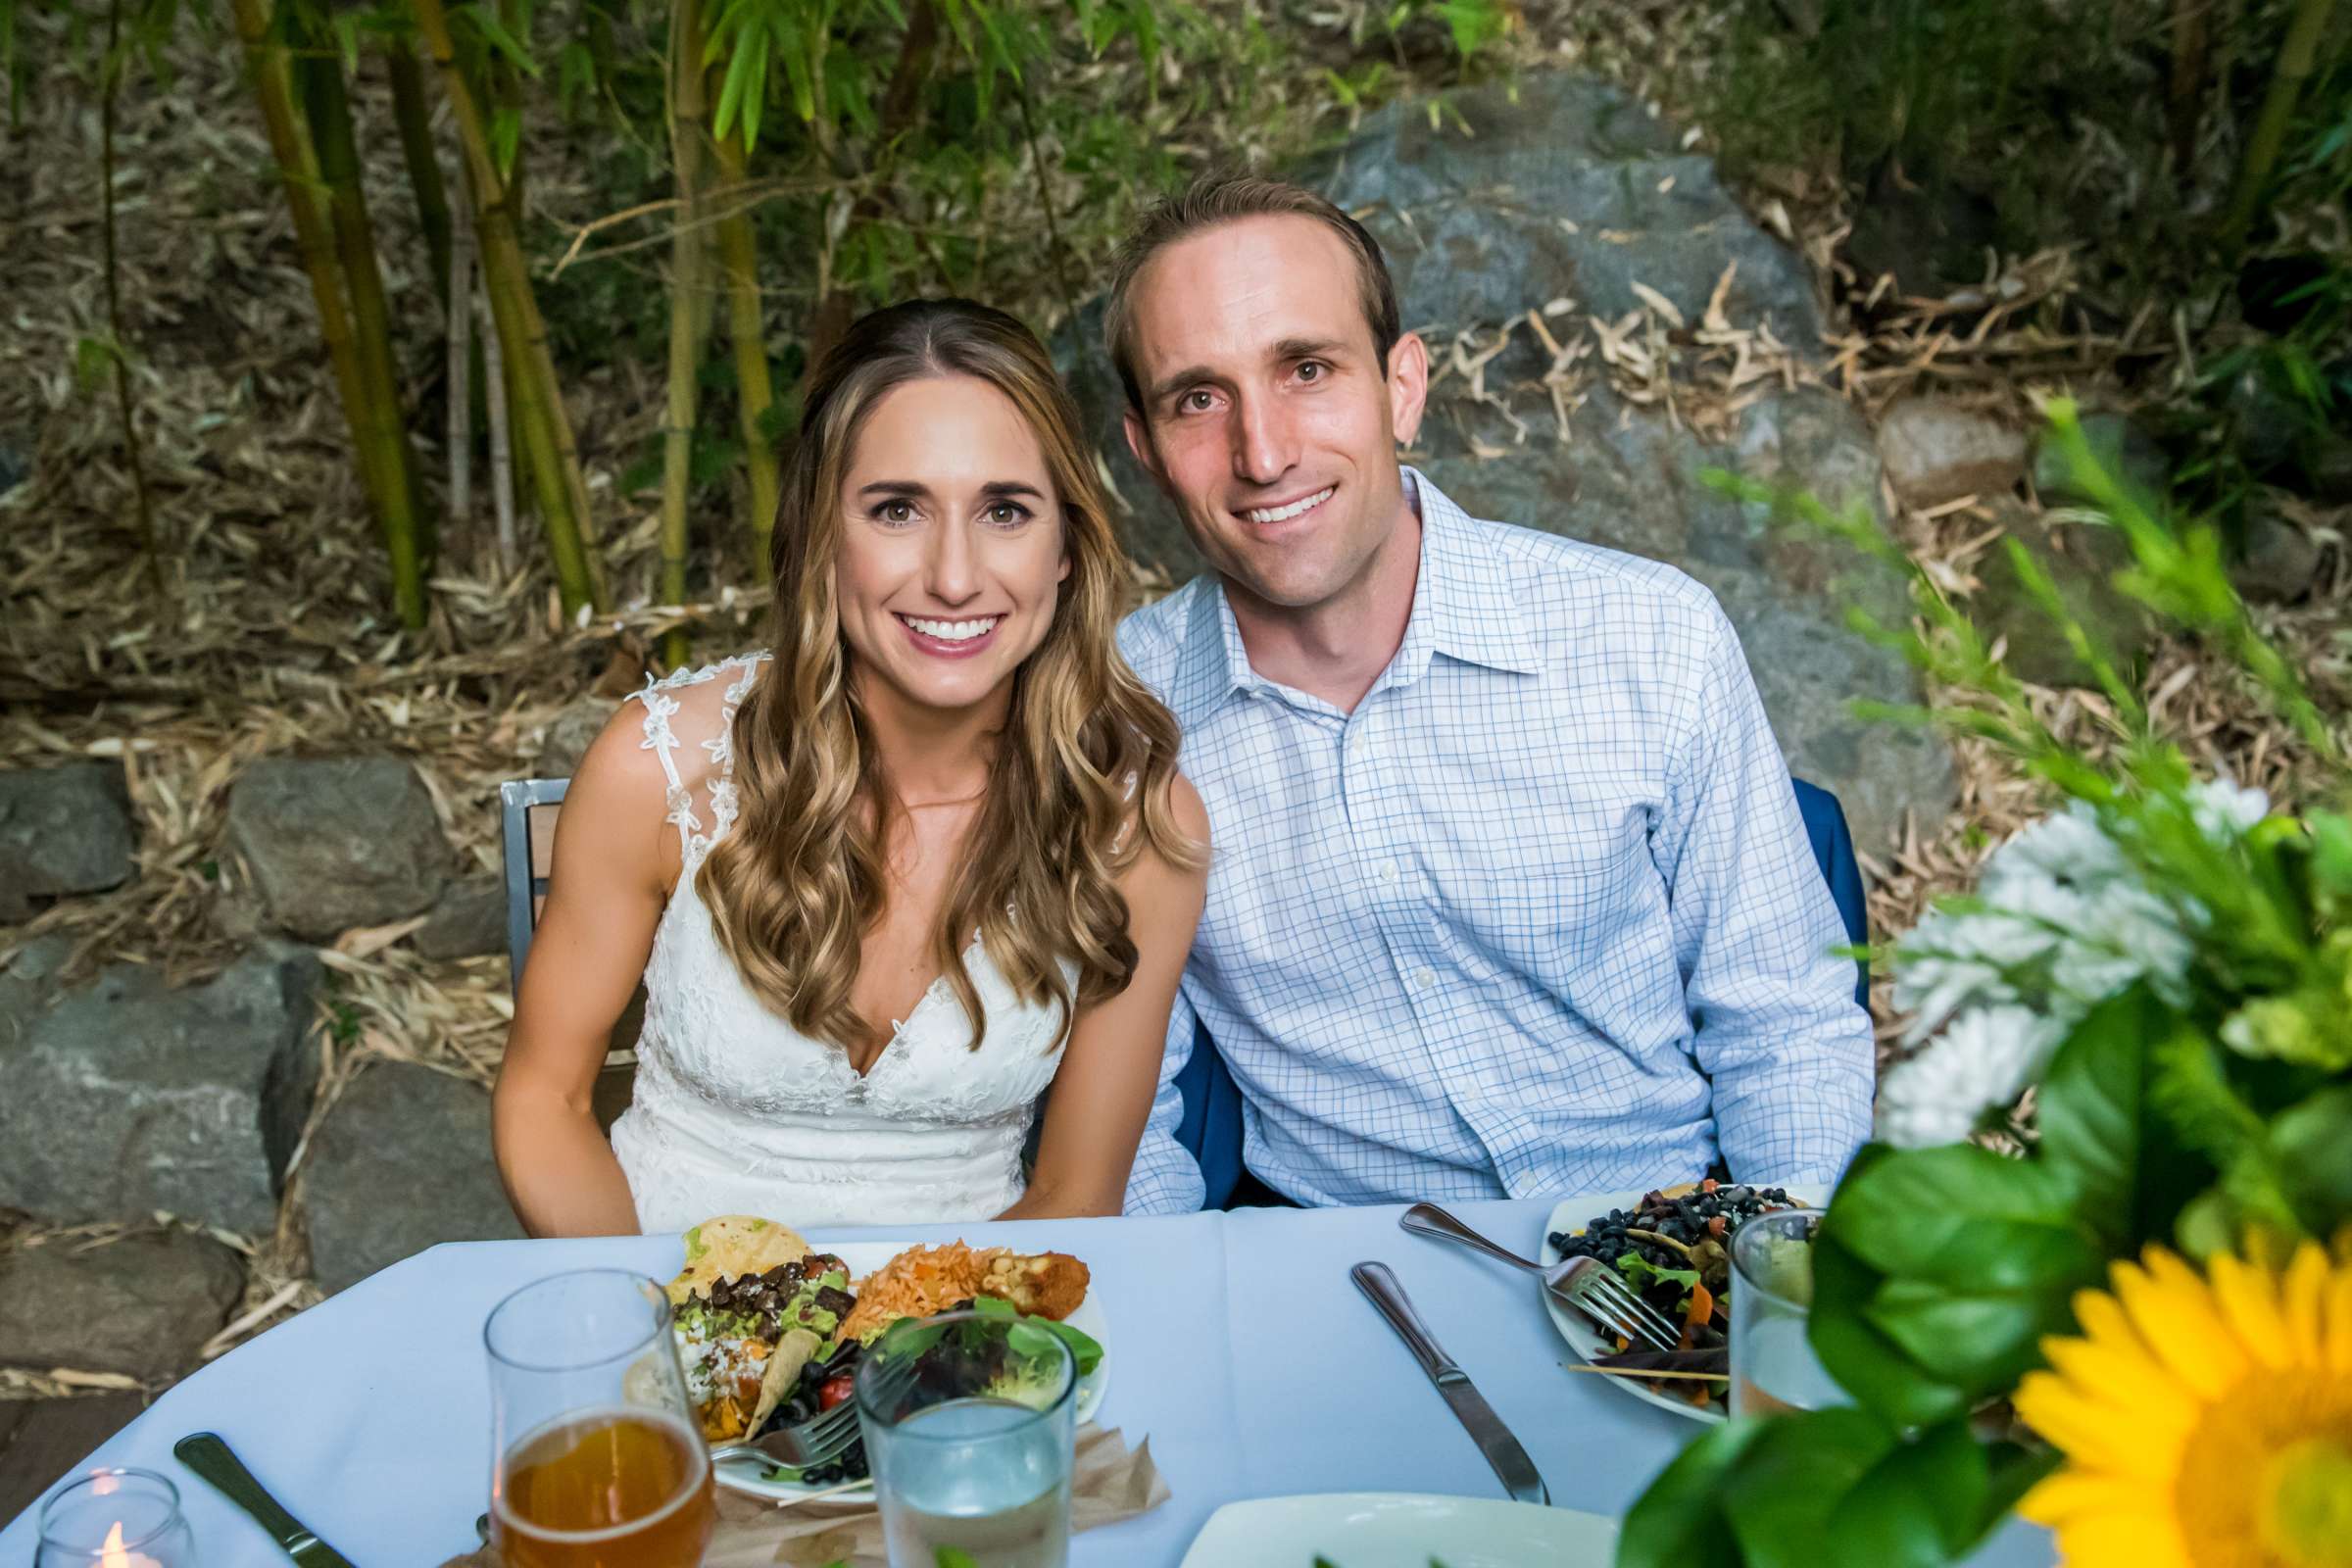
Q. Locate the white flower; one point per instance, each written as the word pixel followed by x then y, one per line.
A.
pixel 1983 1063
pixel 1952 960
pixel 2067 847
pixel 2225 809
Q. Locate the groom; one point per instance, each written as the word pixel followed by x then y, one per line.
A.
pixel 1510 895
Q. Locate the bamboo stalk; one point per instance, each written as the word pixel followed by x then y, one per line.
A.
pixel 2296 57
pixel 120 352
pixel 414 118
pixel 408 528
pixel 688 249
pixel 754 392
pixel 457 293
pixel 297 167
pixel 2193 57
pixel 551 457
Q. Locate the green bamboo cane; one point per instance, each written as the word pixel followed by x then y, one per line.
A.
pixel 688 249
pixel 553 459
pixel 119 350
pixel 414 116
pixel 2296 57
pixel 314 236
pixel 408 529
pixel 755 393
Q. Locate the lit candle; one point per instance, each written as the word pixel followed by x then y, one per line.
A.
pixel 113 1554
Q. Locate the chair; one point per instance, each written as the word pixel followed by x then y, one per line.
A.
pixel 527 811
pixel 1211 1124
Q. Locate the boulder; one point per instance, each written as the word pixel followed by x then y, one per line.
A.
pixel 63 830
pixel 1486 242
pixel 2081 559
pixel 401 1164
pixel 568 736
pixel 468 921
pixel 338 842
pixel 2125 450
pixel 2280 561
pixel 1936 451
pixel 143 1305
pixel 125 1096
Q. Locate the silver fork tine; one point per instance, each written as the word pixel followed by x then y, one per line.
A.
pixel 1665 1332
pixel 1616 1304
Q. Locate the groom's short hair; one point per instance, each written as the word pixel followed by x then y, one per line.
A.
pixel 1212 201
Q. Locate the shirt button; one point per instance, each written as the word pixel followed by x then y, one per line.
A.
pixel 1424 978
pixel 1388 871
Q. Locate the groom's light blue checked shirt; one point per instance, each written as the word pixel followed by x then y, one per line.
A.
pixel 1539 917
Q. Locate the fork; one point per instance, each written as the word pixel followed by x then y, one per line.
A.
pixel 823 1437
pixel 1582 1283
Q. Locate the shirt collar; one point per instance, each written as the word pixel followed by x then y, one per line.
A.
pixel 1463 606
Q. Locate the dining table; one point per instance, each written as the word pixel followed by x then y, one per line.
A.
pixel 1236 1344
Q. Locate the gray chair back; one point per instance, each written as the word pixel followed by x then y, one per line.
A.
pixel 527 811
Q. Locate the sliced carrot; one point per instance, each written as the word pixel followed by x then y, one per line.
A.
pixel 1701 1312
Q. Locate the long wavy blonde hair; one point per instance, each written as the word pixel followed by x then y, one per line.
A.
pixel 799 883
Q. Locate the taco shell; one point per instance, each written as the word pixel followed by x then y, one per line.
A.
pixel 731 1247
pixel 784 1365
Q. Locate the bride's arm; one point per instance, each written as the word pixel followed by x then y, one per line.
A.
pixel 606 893
pixel 1111 1067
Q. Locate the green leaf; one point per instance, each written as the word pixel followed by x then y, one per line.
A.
pixel 1640 1272
pixel 2101 1131
pixel 1084 1348
pixel 1679 1521
pixel 492 31
pixel 950 1558
pixel 1919 1507
pixel 994 1307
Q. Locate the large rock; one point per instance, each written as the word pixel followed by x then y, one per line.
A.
pixel 2080 559
pixel 338 842
pixel 63 830
pixel 569 734
pixel 143 1305
pixel 468 921
pixel 125 1097
pixel 1486 242
pixel 1936 451
pixel 401 1164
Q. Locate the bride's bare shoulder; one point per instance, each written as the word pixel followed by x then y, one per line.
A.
pixel 674 718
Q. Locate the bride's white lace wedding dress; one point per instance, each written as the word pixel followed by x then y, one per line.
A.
pixel 737 1112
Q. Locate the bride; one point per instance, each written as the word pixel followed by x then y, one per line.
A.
pixel 887 880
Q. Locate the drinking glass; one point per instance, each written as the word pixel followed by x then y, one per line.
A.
pixel 597 1462
pixel 1774 1369
pixel 116 1518
pixel 970 1422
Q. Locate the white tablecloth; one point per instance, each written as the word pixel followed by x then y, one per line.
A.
pixel 1238 1345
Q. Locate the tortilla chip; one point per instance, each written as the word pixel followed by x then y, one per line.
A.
pixel 731 1247
pixel 784 1365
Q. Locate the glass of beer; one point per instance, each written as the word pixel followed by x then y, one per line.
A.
pixel 970 1422
pixel 1774 1369
pixel 596 1460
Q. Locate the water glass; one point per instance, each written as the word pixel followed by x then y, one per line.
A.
pixel 1774 1369
pixel 971 1426
pixel 596 1460
pixel 116 1518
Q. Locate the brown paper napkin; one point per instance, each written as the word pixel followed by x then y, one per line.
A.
pixel 1112 1482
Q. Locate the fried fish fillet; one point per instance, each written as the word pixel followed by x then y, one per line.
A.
pixel 925 1280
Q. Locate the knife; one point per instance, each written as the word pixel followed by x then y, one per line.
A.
pixel 1511 1464
pixel 204 1454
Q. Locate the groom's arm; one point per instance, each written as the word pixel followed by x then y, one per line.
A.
pixel 1776 1027
pixel 1166 1179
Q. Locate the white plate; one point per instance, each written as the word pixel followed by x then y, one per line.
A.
pixel 1400 1530
pixel 1572 1215
pixel 749 1475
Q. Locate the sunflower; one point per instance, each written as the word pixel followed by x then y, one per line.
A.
pixel 2206 1421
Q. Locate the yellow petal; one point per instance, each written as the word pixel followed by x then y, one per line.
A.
pixel 2175 1314
pixel 2249 1298
pixel 2073 1496
pixel 2088 1431
pixel 2302 1299
pixel 2135 1391
pixel 2338 1311
pixel 2122 1541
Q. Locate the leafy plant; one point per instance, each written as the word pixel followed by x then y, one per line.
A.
pixel 2205 1107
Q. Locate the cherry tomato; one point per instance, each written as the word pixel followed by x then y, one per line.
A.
pixel 833 1391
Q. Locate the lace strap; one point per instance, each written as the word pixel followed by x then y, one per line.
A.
pixel 660 707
